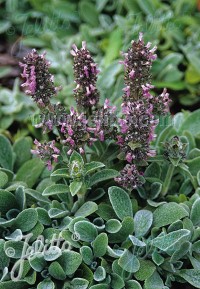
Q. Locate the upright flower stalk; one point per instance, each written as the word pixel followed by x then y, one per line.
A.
pixel 139 108
pixel 38 80
pixel 85 73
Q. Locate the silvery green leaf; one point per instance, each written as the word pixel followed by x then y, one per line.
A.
pixel 113 226
pixel 87 254
pixel 3 179
pixel 37 261
pixel 168 213
pixel 143 220
pixel 121 202
pixel 182 251
pixel 136 241
pixel 46 284
pixel 56 271
pixel 100 245
pixel 147 268
pixel 86 209
pixel 86 230
pixel 79 283
pixel 52 253
pixel 126 230
pixel 133 284
pixel 26 220
pixel 195 213
pixel 7 201
pixel 154 282
pixel 15 236
pixel 129 262
pixel 6 153
pixel 30 171
pixel 192 276
pixel 103 175
pixel 175 238
pixel 115 253
pixel 4 258
pixel 75 187
pixel 76 157
pixel 93 166
pixel 117 281
pixel 157 258
pixel 59 174
pixel 70 261
pixel 55 189
pixel 99 274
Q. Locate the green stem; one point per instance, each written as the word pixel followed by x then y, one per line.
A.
pixel 167 180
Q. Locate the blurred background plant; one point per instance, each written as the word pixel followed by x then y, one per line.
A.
pixel 108 26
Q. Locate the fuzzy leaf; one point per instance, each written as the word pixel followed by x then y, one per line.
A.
pixel 100 286
pixel 169 240
pixel 56 271
pixel 154 282
pixel 195 213
pixel 22 149
pixel 37 262
pixel 7 201
pixel 100 245
pixel 87 254
pixel 46 284
pixel 147 268
pixel 26 220
pixel 116 281
pixel 121 202
pixel 6 153
pixel 143 220
pixel 191 123
pixel 80 283
pixel 132 284
pixel 168 213
pixel 113 226
pixel 103 175
pixel 75 187
pixel 192 276
pixel 52 253
pixel 30 172
pixel 70 261
pixel 14 249
pixel 86 230
pixel 55 190
pixel 129 262
pixel 87 209
pixel 3 179
pixel 93 166
pixel 76 157
pixel 99 274
pixel 59 174
pixel 136 242
pixel 126 230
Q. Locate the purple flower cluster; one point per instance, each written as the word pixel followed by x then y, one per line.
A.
pixel 38 80
pixel 75 131
pixel 48 152
pixel 104 122
pixel 129 177
pixel 85 73
pixel 137 130
pixel 139 108
pixel 137 64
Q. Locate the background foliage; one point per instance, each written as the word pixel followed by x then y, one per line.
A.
pixel 108 27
